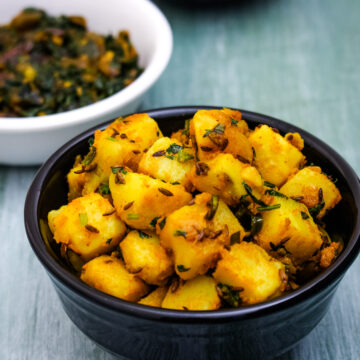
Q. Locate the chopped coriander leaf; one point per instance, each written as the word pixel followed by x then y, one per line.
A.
pixel 143 235
pixel 269 184
pixel 173 148
pixel 162 223
pixel 275 193
pixel 153 222
pixel 214 203
pixel 115 169
pixel 108 241
pixel 182 268
pixel 183 156
pixel 249 192
pixel 218 129
pixel 171 157
pixel 104 189
pixel 180 233
pixel 314 211
pixel 234 122
pixel 304 215
pixel 111 138
pixel 83 219
pixel 132 216
pixel 235 238
pixel 90 156
pixel 91 141
pixel 269 207
pixel 230 295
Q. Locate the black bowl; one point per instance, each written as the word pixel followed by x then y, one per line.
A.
pixel 255 332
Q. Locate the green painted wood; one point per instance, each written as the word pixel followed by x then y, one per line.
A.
pixel 292 59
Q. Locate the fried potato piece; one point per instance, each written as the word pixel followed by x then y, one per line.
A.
pixel 155 298
pixel 224 176
pixel 144 256
pixel 290 227
pixel 138 198
pixel 88 225
pixel 197 294
pixel 108 274
pixel 196 240
pixel 275 157
pixel 249 268
pixel 221 131
pixel 306 184
pixel 168 160
pixel 122 143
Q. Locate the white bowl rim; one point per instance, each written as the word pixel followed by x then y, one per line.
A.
pixel 158 63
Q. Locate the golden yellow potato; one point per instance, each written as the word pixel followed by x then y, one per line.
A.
pixel 225 176
pixel 155 298
pixel 290 227
pixel 122 143
pixel 194 239
pixel 108 274
pixel 139 199
pixel 313 189
pixel 249 269
pixel 88 225
pixel 221 131
pixel 197 294
pixel 168 160
pixel 275 158
pixel 145 257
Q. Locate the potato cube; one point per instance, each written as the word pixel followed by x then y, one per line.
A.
pixel 290 227
pixel 224 176
pixel 195 240
pixel 275 157
pixel 221 131
pixel 139 199
pixel 155 298
pixel 108 274
pixel 87 225
pixel 312 187
pixel 144 256
pixel 197 294
pixel 249 268
pixel 168 160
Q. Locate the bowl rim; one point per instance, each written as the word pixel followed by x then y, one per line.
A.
pixel 323 280
pixel 163 46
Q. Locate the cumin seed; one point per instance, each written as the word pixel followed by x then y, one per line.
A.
pixel 206 148
pixel 165 192
pixel 129 205
pixel 159 153
pixel 91 228
pixel 109 213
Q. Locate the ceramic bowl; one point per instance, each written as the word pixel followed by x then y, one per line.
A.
pixel 30 140
pixel 135 331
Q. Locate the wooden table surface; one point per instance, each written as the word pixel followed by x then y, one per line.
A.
pixel 297 60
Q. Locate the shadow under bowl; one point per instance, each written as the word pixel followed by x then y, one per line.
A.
pixel 259 331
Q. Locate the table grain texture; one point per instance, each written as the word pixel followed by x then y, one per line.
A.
pixel 297 60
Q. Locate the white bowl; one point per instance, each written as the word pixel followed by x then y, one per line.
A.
pixel 30 140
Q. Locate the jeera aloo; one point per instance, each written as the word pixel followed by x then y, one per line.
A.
pixel 52 64
pixel 215 215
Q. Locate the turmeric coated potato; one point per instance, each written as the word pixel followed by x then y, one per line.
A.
pixel 108 274
pixel 314 189
pixel 196 294
pixel 247 268
pixel 225 176
pixel 275 157
pixel 139 199
pixel 221 131
pixel 145 257
pixel 168 160
pixel 88 226
pixel 291 228
pixel 155 298
pixel 195 238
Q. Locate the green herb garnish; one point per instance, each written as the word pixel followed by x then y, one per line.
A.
pixel 182 268
pixel 304 215
pixel 108 241
pixel 249 192
pixel 218 129
pixel 115 169
pixel 104 189
pixel 180 233
pixel 132 216
pixel 83 219
pixel 269 184
pixel 230 295
pixel 234 122
pixel 214 203
pixel 91 141
pixel 235 238
pixel 90 156
pixel 153 222
pixel 269 207
pixel 173 148
pixel 183 156
pixel 143 235
pixel 162 223
pixel 314 211
pixel 275 193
